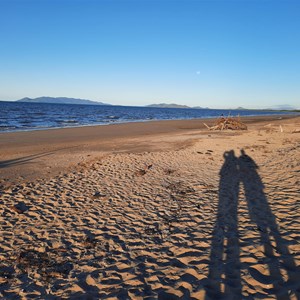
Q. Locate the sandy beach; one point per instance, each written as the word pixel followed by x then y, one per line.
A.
pixel 154 210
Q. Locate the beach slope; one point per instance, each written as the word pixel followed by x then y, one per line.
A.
pixel 158 210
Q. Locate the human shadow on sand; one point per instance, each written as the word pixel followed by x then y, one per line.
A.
pixel 225 267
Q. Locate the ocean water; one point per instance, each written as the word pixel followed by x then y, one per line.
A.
pixel 17 116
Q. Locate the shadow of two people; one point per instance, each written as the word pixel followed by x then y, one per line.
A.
pixel 225 266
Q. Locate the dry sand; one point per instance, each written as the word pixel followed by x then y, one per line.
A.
pixel 158 210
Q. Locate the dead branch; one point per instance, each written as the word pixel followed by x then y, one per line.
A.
pixel 228 123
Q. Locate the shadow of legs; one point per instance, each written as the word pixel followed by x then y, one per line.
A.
pixel 224 268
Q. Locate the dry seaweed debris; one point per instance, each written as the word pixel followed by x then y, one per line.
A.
pixel 225 123
pixel 38 266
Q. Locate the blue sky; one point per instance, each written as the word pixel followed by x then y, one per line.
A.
pixel 205 53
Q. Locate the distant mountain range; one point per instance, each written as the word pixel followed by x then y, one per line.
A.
pixel 173 105
pixel 283 107
pixel 65 100
pixel 60 100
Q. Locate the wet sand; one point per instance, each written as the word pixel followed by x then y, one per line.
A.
pixel 157 210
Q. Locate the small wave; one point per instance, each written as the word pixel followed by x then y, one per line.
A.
pixel 67 121
pixel 7 128
pixel 39 113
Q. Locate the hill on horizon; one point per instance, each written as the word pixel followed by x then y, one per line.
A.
pixel 166 105
pixel 60 100
pixel 173 105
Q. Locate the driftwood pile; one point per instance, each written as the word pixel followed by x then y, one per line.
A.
pixel 225 123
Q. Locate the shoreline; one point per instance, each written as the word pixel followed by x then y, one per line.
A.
pixel 250 118
pixel 280 114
